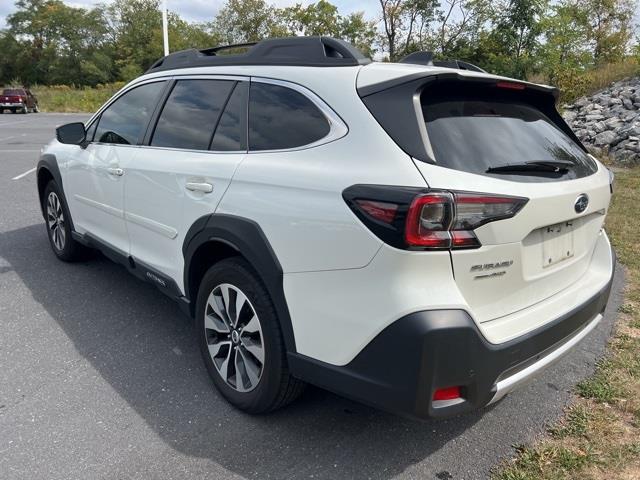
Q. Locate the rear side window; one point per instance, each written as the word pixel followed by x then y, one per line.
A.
pixel 191 113
pixel 124 122
pixel 473 132
pixel 282 118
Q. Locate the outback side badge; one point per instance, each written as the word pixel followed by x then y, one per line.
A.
pixel 581 203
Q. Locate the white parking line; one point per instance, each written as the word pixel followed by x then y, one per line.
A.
pixel 12 123
pixel 2 150
pixel 7 138
pixel 22 175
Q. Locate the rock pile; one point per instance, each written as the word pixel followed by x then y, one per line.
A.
pixel 608 122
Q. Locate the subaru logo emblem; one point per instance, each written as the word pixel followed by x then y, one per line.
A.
pixel 581 203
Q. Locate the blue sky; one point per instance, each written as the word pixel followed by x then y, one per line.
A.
pixel 204 10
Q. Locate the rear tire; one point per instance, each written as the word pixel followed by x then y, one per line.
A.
pixel 24 110
pixel 241 341
pixel 58 223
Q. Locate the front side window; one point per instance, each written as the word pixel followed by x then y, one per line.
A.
pixel 125 120
pixel 91 131
pixel 191 113
pixel 282 118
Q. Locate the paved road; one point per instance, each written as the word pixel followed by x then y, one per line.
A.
pixel 100 378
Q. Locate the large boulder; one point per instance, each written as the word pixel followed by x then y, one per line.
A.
pixel 608 122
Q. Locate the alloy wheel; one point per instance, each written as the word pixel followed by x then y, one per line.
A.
pixel 55 221
pixel 234 337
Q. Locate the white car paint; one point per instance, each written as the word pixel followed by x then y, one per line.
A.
pixel 96 192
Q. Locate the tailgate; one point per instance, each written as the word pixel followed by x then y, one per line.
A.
pixel 541 251
pixel 470 132
pixel 507 142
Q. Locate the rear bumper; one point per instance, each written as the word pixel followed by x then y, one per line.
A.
pixel 400 369
pixel 11 105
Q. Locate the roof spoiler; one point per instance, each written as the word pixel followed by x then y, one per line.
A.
pixel 426 58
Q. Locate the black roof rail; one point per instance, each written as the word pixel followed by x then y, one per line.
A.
pixel 215 50
pixel 294 51
pixel 426 58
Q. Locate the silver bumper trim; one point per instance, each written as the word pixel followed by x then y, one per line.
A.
pixel 510 383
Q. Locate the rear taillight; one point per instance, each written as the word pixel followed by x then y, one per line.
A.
pixel 447 219
pixel 428 220
pixel 382 211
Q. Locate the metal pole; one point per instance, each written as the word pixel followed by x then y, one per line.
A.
pixel 165 28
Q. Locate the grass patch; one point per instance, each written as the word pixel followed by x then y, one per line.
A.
pixel 63 98
pixel 599 436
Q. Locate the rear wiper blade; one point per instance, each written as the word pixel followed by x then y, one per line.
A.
pixel 536 166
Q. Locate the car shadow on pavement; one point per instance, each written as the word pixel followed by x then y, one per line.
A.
pixel 144 347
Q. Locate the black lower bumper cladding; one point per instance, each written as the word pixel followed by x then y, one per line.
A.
pixel 403 366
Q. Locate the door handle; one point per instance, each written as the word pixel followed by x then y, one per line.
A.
pixel 118 172
pixel 199 187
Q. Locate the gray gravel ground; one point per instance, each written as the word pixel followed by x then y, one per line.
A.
pixel 100 378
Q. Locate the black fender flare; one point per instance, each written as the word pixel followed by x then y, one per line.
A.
pixel 247 238
pixel 49 162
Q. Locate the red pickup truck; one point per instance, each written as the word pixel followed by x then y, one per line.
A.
pixel 18 100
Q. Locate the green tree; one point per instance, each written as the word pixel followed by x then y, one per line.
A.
pixel 609 25
pixel 517 36
pixel 58 43
pixel 565 50
pixel 360 32
pixel 405 24
pixel 322 18
pixel 135 27
pixel 242 21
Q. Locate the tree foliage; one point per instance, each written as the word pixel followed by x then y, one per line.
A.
pixel 50 42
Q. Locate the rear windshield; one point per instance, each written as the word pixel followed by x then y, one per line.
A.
pixel 12 91
pixel 475 131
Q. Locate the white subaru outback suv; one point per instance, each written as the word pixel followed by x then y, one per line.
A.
pixel 414 236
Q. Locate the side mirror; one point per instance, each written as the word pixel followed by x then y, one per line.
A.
pixel 71 133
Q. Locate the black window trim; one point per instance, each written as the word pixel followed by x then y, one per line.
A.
pixel 337 126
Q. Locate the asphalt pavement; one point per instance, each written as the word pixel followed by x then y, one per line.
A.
pixel 100 378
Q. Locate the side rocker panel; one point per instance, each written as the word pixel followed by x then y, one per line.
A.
pixel 247 238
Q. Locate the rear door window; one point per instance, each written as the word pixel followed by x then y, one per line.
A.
pixel 124 121
pixel 282 118
pixel 191 113
pixel 472 133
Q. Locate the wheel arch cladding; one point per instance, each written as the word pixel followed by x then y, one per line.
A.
pixel 218 236
pixel 48 170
